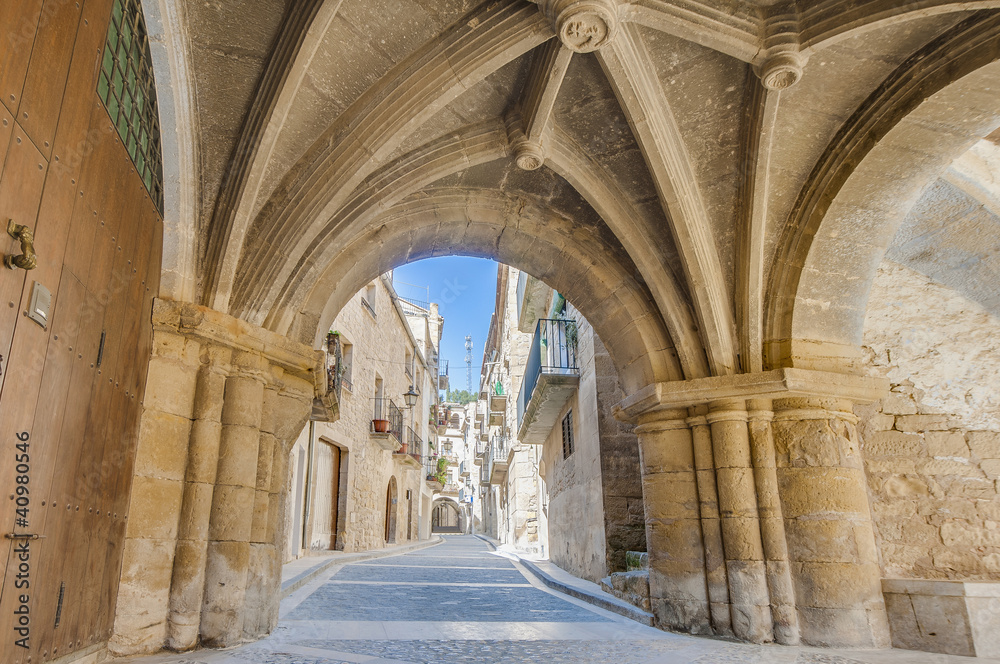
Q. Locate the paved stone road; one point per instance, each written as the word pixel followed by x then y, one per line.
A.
pixel 458 603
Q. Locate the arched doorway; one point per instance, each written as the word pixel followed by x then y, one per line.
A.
pixel 390 512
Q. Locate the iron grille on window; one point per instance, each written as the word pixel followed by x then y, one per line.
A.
pixel 128 91
pixel 567 434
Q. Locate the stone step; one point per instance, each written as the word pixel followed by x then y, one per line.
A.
pixel 633 587
pixel 636 560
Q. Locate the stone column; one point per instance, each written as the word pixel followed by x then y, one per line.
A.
pixel 677 583
pixel 228 558
pixel 201 557
pixel 143 606
pixel 188 583
pixel 772 525
pixel 744 551
pixel 711 529
pixel 286 407
pixel 831 540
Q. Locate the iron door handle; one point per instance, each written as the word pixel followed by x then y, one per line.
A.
pixel 27 260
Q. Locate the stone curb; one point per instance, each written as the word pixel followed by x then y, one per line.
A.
pixel 612 604
pixel 301 579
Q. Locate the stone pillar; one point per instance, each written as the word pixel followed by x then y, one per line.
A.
pixel 831 540
pixel 711 529
pixel 188 583
pixel 677 583
pixel 201 561
pixel 141 619
pixel 772 525
pixel 286 407
pixel 228 558
pixel 744 551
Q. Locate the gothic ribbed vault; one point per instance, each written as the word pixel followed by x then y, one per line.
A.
pixel 714 184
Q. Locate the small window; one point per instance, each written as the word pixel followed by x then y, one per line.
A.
pixel 368 298
pixel 567 434
pixel 125 85
pixel 408 363
pixel 347 361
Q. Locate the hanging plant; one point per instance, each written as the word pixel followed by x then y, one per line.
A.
pixel 571 333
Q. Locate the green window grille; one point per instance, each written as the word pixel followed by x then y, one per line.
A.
pixel 127 89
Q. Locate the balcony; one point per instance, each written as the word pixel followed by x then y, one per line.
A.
pixel 386 425
pixel 550 379
pixel 463 469
pixel 498 410
pixel 326 407
pixel 498 450
pixel 480 450
pixel 433 475
pixel 532 301
pixel 443 382
pixel 450 489
pixel 410 455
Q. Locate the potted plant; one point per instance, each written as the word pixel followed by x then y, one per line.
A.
pixel 380 426
pixel 405 446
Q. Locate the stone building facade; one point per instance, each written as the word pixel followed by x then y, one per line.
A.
pixel 344 470
pixel 573 492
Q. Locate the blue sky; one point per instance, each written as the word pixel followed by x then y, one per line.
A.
pixel 465 288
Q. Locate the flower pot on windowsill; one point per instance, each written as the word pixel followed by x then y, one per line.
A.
pixel 380 426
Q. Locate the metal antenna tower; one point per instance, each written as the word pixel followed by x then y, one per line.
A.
pixel 468 362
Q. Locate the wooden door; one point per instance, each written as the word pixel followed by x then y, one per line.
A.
pixel 390 512
pixel 334 495
pixel 70 388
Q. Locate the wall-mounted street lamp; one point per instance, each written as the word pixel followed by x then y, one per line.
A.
pixel 410 397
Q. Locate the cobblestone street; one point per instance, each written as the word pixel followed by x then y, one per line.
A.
pixel 458 603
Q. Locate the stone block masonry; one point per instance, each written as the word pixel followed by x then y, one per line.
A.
pixel 224 401
pixel 932 482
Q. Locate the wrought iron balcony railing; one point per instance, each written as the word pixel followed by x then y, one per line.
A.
pixel 387 418
pixel 553 352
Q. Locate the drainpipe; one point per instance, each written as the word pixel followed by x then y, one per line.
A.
pixel 308 490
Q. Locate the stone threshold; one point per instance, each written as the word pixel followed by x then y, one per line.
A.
pixel 292 579
pixel 562 581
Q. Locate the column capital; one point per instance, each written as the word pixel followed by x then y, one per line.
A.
pixel 214 328
pixel 781 383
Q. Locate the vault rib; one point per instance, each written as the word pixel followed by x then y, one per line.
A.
pixel 634 231
pixel 758 135
pixel 542 88
pixel 632 75
pixel 368 131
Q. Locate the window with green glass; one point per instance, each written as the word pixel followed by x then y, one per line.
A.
pixel 127 89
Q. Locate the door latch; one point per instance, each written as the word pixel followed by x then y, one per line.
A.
pixel 23 536
pixel 24 235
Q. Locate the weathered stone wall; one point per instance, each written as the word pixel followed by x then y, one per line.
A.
pixel 380 343
pixel 518 516
pixel 621 479
pixel 932 447
pixel 576 511
pixel 933 489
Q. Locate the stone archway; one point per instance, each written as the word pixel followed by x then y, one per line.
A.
pixel 447 516
pixel 668 244
pixel 929 112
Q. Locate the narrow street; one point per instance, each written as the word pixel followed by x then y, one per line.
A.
pixel 457 602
